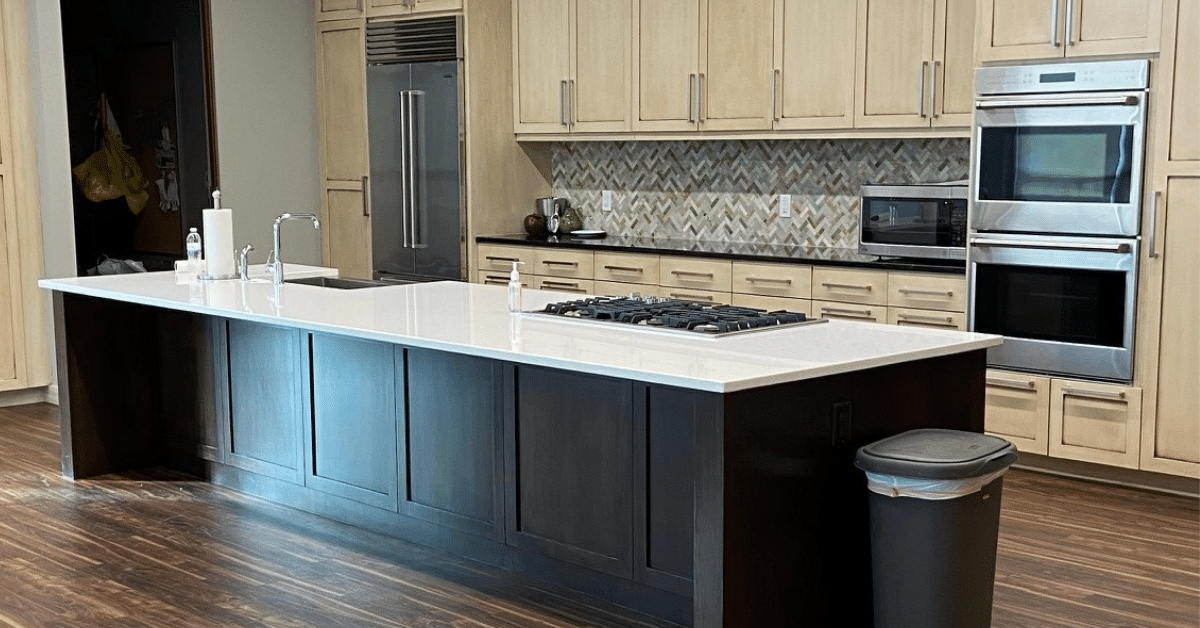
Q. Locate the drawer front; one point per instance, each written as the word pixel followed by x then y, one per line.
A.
pixel 618 289
pixel 627 268
pixel 1018 410
pixel 564 263
pixel 564 284
pixel 850 311
pixel 850 286
pixel 1095 422
pixel 928 292
pixel 497 257
pixel 695 274
pixel 772 304
pixel 776 280
pixel 691 294
pixel 499 279
pixel 927 318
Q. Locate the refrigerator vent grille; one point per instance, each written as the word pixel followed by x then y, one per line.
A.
pixel 411 41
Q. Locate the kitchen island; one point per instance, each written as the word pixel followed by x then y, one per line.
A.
pixel 706 480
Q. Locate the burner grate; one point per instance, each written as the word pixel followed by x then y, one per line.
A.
pixel 676 314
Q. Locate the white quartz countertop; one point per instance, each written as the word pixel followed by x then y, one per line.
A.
pixel 474 319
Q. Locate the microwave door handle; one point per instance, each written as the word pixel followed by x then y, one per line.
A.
pixel 1033 244
pixel 1000 103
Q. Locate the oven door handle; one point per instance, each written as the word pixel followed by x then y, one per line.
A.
pixel 1011 103
pixel 1072 246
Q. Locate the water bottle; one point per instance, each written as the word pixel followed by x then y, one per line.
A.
pixel 194 250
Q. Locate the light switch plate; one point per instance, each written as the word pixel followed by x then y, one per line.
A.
pixel 606 200
pixel 785 205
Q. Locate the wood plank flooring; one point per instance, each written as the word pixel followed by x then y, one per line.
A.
pixel 162 550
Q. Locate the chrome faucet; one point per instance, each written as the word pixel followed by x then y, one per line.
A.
pixel 276 262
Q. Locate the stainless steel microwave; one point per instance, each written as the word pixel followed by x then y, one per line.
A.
pixel 926 221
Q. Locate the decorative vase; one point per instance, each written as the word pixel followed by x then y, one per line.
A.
pixel 570 220
pixel 535 224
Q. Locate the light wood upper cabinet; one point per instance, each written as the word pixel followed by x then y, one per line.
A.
pixel 735 73
pixel 339 9
pixel 341 73
pixel 814 63
pixel 1181 67
pixel 406 7
pixel 668 64
pixel 572 65
pixel 915 62
pixel 1047 29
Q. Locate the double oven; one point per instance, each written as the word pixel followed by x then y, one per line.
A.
pixel 1057 163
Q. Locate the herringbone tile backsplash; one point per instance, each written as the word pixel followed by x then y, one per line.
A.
pixel 729 190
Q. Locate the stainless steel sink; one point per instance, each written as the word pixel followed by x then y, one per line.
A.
pixel 341 283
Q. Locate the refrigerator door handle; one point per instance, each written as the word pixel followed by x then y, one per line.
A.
pixel 416 166
pixel 405 168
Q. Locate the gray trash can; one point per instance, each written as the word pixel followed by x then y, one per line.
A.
pixel 935 509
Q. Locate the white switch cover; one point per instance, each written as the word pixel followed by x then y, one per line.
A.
pixel 785 205
pixel 606 200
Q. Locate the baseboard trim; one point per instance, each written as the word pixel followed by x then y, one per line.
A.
pixel 1131 478
pixel 26 396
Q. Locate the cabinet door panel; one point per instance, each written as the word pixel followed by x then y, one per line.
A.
pixel 954 53
pixel 603 44
pixel 668 52
pixel 1184 140
pixel 1018 409
pixel 573 468
pixel 815 40
pixel 1095 422
pixel 1019 29
pixel 737 75
pixel 542 64
pixel 665 469
pixel 264 429
pixel 452 464
pixel 1114 27
pixel 341 72
pixel 897 41
pixel 353 420
pixel 9 307
pixel 347 232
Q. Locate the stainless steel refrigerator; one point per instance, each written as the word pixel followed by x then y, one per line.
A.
pixel 415 129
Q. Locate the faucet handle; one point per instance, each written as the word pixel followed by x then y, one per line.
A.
pixel 244 262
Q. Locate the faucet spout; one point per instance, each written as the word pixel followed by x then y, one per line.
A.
pixel 277 261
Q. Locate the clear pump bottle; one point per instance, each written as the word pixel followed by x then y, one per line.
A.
pixel 514 290
pixel 194 251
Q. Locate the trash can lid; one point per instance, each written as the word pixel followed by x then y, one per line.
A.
pixel 936 454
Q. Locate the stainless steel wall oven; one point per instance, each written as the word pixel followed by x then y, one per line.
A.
pixel 1057 162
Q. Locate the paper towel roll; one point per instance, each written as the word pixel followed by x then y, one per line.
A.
pixel 218 243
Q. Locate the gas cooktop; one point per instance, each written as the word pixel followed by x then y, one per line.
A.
pixel 676 315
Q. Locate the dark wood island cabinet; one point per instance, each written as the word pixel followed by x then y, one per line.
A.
pixel 708 508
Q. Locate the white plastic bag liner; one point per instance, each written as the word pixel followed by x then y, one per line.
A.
pixel 921 488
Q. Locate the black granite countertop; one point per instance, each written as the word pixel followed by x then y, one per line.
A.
pixel 748 251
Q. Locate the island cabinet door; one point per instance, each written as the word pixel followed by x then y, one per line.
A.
pixel 451 463
pixel 570 478
pixel 263 426
pixel 351 430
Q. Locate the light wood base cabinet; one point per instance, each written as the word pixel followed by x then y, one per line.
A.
pixel 1018 410
pixel 1095 422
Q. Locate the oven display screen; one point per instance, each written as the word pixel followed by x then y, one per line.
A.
pixel 1090 164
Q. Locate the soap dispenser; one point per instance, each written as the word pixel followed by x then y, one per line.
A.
pixel 514 289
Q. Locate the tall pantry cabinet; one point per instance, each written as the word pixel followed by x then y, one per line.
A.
pixel 498 174
pixel 1171 264
pixel 24 346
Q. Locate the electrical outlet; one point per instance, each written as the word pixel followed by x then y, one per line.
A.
pixel 785 205
pixel 606 200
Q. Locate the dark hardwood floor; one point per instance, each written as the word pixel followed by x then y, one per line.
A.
pixel 160 549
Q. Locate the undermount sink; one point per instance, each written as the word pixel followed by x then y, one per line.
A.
pixel 341 283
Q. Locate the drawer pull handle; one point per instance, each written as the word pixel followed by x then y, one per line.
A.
pixel 691 273
pixel 846 286
pixel 693 297
pixel 1000 382
pixel 1094 394
pixel 626 269
pixel 560 284
pixel 500 259
pixel 942 321
pixel 786 282
pixel 837 311
pixel 931 293
pixel 552 262
pixel 492 281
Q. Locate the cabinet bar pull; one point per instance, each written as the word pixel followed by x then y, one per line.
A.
pixel 571 102
pixel 844 312
pixel 944 321
pixel 366 198
pixel 1054 23
pixel 921 91
pixel 493 280
pixel 627 269
pixel 689 273
pixel 1152 237
pixel 554 262
pixel 1000 382
pixel 846 286
pixel 700 98
pixel 933 89
pixel 932 293
pixel 693 297
pixel 1094 394
pixel 560 284
pixel 500 259
pixel 691 98
pixel 1070 22
pixel 562 103
pixel 769 280
pixel 775 96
